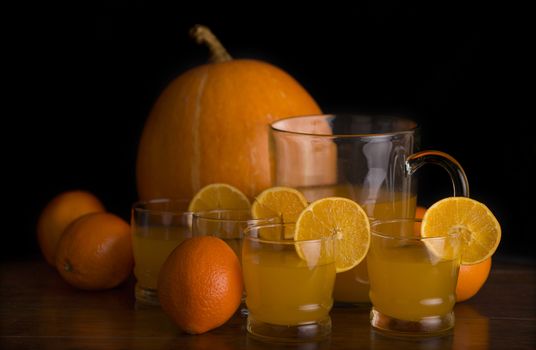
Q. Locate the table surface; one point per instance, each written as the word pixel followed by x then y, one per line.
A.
pixel 40 311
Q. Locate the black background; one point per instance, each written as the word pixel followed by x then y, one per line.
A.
pixel 82 81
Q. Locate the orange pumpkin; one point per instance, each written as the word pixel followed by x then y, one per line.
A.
pixel 211 125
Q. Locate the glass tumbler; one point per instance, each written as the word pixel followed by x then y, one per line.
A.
pixel 412 278
pixel 289 284
pixel 158 226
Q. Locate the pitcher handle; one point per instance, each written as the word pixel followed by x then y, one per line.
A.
pixel 457 175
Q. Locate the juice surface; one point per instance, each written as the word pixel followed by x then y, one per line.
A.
pixel 281 289
pixel 151 248
pixel 410 283
pixel 380 204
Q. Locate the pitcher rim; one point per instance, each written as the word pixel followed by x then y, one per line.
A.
pixel 410 130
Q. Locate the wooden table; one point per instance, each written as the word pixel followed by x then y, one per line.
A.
pixel 40 311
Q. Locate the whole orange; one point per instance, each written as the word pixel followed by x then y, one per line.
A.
pixel 211 123
pixel 95 252
pixel 200 284
pixel 58 214
pixel 471 278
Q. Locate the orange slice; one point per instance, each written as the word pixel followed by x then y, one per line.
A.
pixel 283 202
pixel 219 196
pixel 480 230
pixel 339 217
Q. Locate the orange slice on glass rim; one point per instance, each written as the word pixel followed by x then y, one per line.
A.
pixel 283 202
pixel 218 196
pixel 342 219
pixel 479 229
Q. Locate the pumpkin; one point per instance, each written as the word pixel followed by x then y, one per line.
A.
pixel 211 125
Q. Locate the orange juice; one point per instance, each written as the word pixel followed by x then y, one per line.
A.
pixel 408 282
pixel 353 285
pixel 151 248
pixel 282 289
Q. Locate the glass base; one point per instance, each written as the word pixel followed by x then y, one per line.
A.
pixel 427 326
pixel 314 331
pixel 146 296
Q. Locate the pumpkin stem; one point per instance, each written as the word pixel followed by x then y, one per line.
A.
pixel 203 35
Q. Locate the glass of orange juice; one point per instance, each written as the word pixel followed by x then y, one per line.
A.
pixel 412 278
pixel 289 284
pixel 158 226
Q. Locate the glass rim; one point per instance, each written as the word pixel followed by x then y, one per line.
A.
pixel 249 229
pixel 375 222
pixel 203 215
pixel 138 206
pixel 411 130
